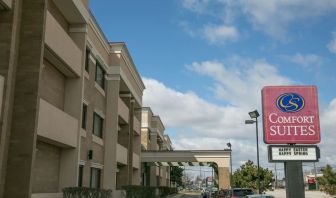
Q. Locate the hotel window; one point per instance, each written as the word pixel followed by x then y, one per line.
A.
pixel 100 73
pixel 97 125
pixel 84 114
pixel 95 178
pixel 87 59
pixel 80 175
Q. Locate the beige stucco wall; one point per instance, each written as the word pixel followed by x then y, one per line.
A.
pixel 56 125
pixel 97 43
pixel 58 16
pixel 145 138
pixel 52 85
pixel 98 153
pixel 46 169
pixel 67 50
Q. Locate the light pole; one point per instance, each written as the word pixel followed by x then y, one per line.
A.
pixel 229 145
pixel 254 114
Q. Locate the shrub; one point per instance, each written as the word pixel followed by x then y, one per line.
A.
pixel 84 192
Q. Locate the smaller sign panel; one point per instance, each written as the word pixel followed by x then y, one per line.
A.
pixel 280 153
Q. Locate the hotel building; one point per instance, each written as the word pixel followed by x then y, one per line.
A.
pixel 70 102
pixel 153 139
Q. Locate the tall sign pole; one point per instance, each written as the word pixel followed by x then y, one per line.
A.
pixel 290 118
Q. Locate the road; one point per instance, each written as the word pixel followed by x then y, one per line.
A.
pixel 195 194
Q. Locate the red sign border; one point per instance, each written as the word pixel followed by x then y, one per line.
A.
pixel 266 141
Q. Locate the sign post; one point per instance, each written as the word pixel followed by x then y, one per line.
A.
pixel 290 116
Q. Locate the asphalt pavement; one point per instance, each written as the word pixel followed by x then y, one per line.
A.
pixel 187 194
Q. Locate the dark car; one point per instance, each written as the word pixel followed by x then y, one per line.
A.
pixel 239 192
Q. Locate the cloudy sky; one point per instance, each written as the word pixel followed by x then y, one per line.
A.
pixel 204 63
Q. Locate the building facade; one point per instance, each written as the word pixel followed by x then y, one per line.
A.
pixel 154 139
pixel 71 102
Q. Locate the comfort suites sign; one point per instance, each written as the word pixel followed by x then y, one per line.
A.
pixel 290 115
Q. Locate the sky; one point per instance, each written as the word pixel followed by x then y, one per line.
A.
pixel 204 63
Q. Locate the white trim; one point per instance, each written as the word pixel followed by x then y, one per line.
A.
pixel 78 28
pixel 99 35
pixel 92 58
pixel 97 140
pixel 117 70
pixel 99 112
pixel 100 89
pixel 112 77
pixel 96 165
pixel 96 55
pixel 86 74
pixel 83 132
pixel 82 162
pixel 85 102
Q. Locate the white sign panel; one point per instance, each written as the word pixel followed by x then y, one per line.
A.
pixel 293 153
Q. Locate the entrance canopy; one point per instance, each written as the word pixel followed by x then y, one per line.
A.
pixel 187 157
pixel 193 158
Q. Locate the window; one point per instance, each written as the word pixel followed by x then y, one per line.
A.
pixel 87 59
pixel 80 175
pixel 95 178
pixel 84 113
pixel 100 73
pixel 97 125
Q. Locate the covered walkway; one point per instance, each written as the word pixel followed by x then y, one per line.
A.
pixel 193 158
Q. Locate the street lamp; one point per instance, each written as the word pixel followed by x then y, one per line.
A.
pixel 229 145
pixel 254 114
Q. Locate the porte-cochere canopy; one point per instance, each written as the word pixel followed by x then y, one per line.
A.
pixel 193 158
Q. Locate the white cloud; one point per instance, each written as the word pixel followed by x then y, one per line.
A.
pixel 328 132
pixel 240 87
pixel 332 44
pixel 269 16
pixel 198 6
pixel 220 34
pixel 307 61
pixel 189 112
pixel 273 16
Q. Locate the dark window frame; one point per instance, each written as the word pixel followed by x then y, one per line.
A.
pixel 84 115
pixel 80 175
pixel 100 82
pixel 100 132
pixel 99 177
pixel 87 59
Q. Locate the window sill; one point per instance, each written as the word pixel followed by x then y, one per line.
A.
pixel 97 140
pixel 83 132
pixel 100 90
pixel 86 75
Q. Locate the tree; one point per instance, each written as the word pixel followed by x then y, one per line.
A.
pixel 247 177
pixel 327 182
pixel 176 174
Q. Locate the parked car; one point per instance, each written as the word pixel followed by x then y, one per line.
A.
pixel 239 192
pixel 260 196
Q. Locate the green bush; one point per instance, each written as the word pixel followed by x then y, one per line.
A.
pixel 140 191
pixel 84 192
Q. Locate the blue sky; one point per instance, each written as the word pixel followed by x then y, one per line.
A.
pixel 204 63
